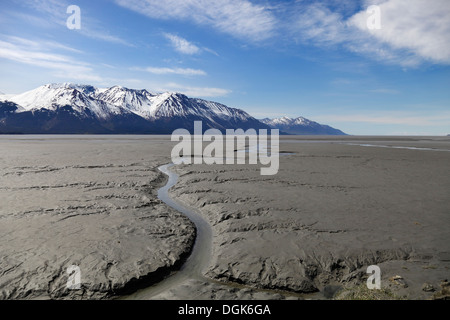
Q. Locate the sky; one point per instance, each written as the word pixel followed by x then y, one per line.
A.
pixel 367 67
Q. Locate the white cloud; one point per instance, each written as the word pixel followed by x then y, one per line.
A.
pixel 98 34
pixel 318 24
pixel 411 31
pixel 36 54
pixel 196 91
pixel 39 44
pixel 211 51
pixel 178 71
pixel 419 26
pixel 392 118
pixel 55 8
pixel 182 45
pixel 55 12
pixel 240 18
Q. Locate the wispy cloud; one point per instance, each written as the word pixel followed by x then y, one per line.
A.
pixel 211 51
pixel 55 12
pixel 316 24
pixel 39 55
pixel 392 118
pixel 176 71
pixel 412 31
pixel 39 44
pixel 186 47
pixel 239 18
pixel 206 92
pixel 99 34
pixel 10 17
pixel 55 8
pixel 182 45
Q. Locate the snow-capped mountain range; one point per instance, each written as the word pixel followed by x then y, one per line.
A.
pixel 301 126
pixel 70 108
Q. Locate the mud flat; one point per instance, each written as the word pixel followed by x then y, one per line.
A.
pixel 337 206
pixel 88 201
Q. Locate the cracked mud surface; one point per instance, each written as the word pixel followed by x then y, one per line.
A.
pixel 330 212
pixel 90 203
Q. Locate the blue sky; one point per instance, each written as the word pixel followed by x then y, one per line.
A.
pixel 317 59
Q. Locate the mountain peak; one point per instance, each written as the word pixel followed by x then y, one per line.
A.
pixel 86 89
pixel 75 108
pixel 173 94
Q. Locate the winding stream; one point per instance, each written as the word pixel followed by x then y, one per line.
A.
pixel 198 260
pixel 201 252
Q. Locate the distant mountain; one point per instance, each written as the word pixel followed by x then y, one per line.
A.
pixel 301 126
pixel 70 108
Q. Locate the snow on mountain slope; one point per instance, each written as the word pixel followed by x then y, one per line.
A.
pixel 133 111
pixel 286 121
pixel 6 97
pixel 114 100
pixel 300 126
pixel 128 110
pixel 169 104
pixel 176 104
pixel 80 98
pixel 140 102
